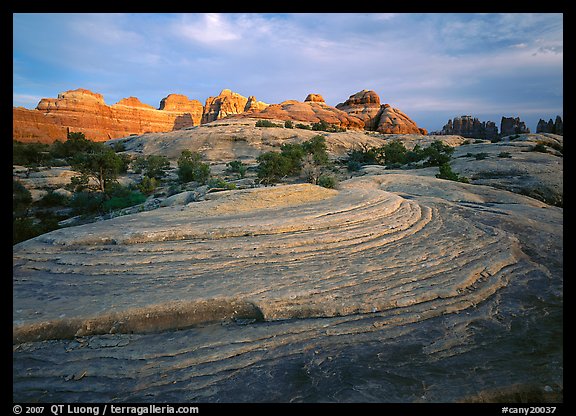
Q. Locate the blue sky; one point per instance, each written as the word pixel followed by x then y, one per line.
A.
pixel 431 66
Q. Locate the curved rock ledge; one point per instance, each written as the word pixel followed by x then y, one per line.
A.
pixel 295 251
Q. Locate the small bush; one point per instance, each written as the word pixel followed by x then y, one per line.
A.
pixel 481 156
pixel 119 147
pixel 495 140
pixel 217 182
pixel 85 203
pixel 237 167
pixel 353 165
pixel 447 173
pixel 148 185
pixel 266 123
pixel 52 199
pixel 465 142
pixel 303 126
pixel 21 198
pixel 328 181
pixel 504 155
pixel 288 124
pixel 191 168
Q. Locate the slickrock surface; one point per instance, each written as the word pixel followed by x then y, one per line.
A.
pixel 393 288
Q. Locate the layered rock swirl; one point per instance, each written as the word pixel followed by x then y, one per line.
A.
pixel 413 289
pixel 308 253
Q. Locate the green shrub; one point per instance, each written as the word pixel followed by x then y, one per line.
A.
pixel 481 156
pixel 217 182
pixel 353 165
pixel 323 125
pixel 495 140
pixel 237 167
pixel 273 166
pixel 447 173
pixel 504 155
pixel 328 181
pixel 153 166
pixel 303 126
pixel 266 123
pixel 21 198
pixel 148 185
pixel 438 153
pixel 123 201
pixel 52 199
pixel 191 168
pixel 31 154
pixel 316 146
pixel 288 124
pixel 85 202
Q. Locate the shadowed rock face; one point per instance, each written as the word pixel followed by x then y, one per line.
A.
pixel 394 288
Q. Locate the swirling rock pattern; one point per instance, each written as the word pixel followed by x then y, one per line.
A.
pixel 298 276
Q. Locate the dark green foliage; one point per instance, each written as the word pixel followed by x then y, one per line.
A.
pixel 272 167
pixel 100 163
pixel 353 165
pixel 21 198
pixel 293 153
pixel 465 142
pixel 303 126
pixel 480 156
pixel 153 166
pixel 24 228
pixel 266 123
pixel 191 167
pixel 86 203
pixel 148 185
pixel 504 155
pixel 76 143
pixel 316 147
pixel 236 167
pixel 30 154
pixel 327 181
pixel 219 183
pixel 289 124
pixel 497 139
pixel 323 125
pixel 394 154
pixel 447 173
pixel 52 199
pixel 122 197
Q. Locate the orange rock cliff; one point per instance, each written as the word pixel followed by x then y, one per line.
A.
pixel 85 111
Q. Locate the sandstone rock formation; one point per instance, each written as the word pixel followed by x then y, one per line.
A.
pixel 85 111
pixel 254 105
pixel 317 98
pixel 181 103
pixel 308 111
pixel 511 125
pixel 467 126
pixel 224 104
pixel 393 121
pixel 373 292
pixel 364 105
pixel 555 127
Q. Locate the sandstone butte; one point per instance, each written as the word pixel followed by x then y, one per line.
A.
pixel 85 111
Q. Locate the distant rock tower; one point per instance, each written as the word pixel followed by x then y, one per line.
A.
pixel 511 125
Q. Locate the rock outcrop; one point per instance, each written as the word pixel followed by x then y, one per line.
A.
pixel 393 121
pixel 224 104
pixel 254 105
pixel 470 127
pixel 511 125
pixel 317 98
pixel 554 127
pixel 364 105
pixel 307 111
pixel 85 111
pixel 181 103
